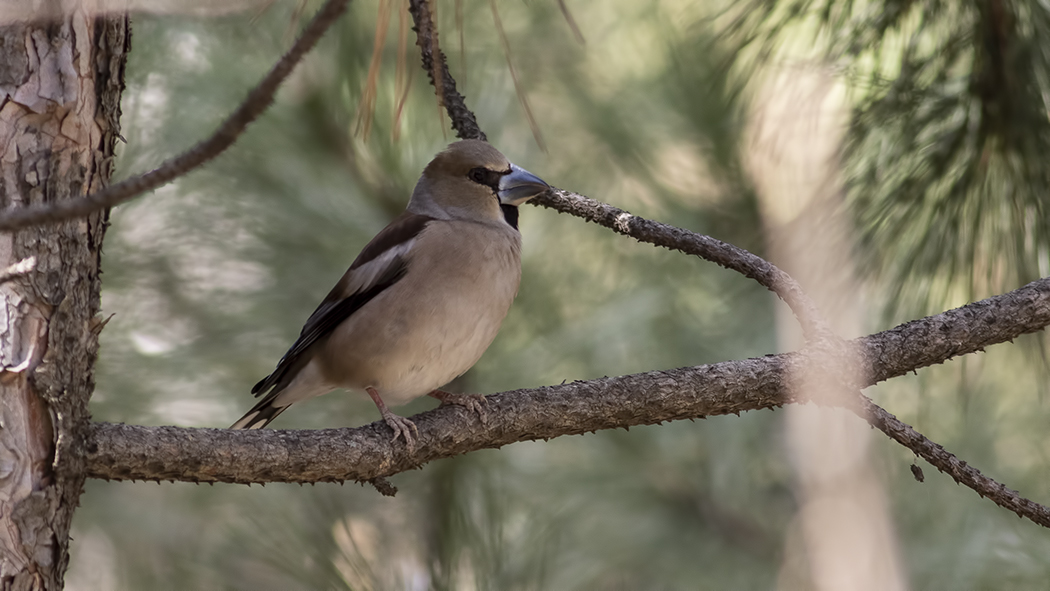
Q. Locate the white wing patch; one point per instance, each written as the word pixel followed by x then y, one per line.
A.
pixel 378 269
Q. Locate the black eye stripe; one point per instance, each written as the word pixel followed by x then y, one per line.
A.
pixel 484 176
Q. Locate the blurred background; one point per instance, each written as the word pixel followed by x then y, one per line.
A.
pixel 920 127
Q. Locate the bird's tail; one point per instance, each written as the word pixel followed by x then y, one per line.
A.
pixel 260 415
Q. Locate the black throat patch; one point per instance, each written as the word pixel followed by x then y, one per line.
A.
pixel 510 213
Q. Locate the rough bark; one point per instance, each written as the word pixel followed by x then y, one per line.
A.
pixel 60 87
pixel 123 452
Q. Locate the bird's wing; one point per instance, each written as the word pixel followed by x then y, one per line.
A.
pixel 381 264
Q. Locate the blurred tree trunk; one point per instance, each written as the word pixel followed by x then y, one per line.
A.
pixel 60 87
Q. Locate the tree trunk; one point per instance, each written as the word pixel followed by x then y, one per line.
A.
pixel 60 87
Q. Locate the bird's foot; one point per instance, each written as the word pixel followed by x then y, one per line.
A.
pixel 474 402
pixel 403 428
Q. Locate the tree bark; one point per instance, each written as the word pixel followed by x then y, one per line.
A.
pixel 60 87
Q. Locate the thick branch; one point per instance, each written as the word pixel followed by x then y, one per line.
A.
pixel 218 455
pixel 257 101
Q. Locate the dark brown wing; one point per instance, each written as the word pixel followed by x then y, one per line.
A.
pixel 380 265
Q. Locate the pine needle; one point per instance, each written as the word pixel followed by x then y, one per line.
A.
pixel 524 100
pixel 403 80
pixel 572 22
pixel 366 109
pixel 462 44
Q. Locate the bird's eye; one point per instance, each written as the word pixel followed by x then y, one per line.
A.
pixel 477 175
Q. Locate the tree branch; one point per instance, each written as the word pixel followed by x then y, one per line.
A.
pixel 125 452
pixel 209 455
pixel 721 253
pixel 946 462
pixel 463 120
pixel 257 101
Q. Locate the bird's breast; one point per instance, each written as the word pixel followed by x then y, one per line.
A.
pixel 437 321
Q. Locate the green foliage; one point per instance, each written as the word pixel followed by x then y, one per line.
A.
pixel 944 159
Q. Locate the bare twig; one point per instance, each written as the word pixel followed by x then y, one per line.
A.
pixel 463 120
pixel 783 285
pixel 258 100
pixel 948 463
pixel 731 257
pixel 123 452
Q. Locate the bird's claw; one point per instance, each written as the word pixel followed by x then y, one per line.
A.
pixel 403 428
pixel 474 402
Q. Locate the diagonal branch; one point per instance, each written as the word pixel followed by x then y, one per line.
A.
pixel 124 452
pixel 721 253
pixel 257 101
pixel 463 120
pixel 946 462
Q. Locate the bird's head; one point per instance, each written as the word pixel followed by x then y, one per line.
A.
pixel 472 180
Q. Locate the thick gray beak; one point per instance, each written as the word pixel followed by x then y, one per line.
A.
pixel 519 186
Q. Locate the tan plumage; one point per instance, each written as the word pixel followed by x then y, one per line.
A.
pixel 423 300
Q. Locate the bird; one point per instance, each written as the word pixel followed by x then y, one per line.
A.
pixel 422 301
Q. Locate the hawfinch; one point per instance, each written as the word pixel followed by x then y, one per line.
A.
pixel 422 301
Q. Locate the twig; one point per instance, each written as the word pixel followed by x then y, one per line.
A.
pixel 257 101
pixel 567 14
pixel 123 452
pixel 463 120
pixel 947 462
pixel 721 253
pixel 771 277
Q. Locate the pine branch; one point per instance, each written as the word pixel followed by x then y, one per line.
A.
pixel 463 119
pixel 127 452
pixel 711 249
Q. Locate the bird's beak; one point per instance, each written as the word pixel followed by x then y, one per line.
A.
pixel 519 185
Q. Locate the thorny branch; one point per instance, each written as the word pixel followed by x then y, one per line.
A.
pixel 257 101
